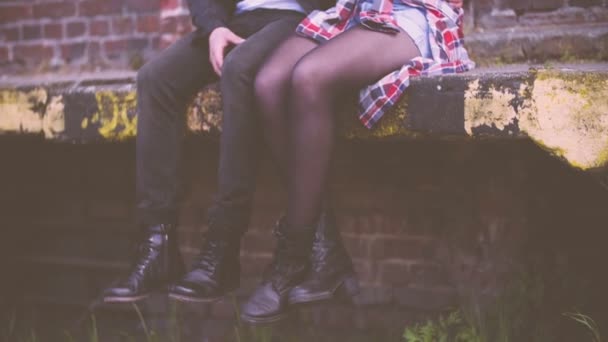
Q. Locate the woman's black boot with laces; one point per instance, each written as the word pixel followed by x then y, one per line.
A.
pixel 269 301
pixel 216 270
pixel 331 269
pixel 157 263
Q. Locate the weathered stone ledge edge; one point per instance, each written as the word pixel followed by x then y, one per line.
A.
pixel 563 108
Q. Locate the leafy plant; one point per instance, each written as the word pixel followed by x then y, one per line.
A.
pixel 588 322
pixel 452 328
pixel 10 329
pixel 32 337
pixel 68 336
pixel 174 326
pixel 93 334
pixel 151 335
pixel 250 333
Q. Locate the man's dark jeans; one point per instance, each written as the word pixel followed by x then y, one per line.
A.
pixel 167 84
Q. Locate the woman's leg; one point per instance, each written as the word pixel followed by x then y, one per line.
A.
pixel 355 58
pixel 350 61
pixel 271 89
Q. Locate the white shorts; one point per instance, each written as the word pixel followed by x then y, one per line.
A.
pixel 413 21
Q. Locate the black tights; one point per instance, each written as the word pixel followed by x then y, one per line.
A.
pixel 297 89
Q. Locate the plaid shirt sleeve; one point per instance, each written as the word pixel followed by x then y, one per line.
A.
pixel 324 25
pixel 445 35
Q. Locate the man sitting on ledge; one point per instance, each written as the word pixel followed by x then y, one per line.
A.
pixel 165 87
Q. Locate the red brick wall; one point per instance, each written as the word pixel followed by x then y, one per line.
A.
pixel 424 221
pixel 49 35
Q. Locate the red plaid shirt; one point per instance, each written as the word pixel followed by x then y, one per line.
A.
pixel 445 35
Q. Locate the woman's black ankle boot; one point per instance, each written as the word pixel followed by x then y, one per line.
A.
pixel 216 270
pixel 269 301
pixel 331 269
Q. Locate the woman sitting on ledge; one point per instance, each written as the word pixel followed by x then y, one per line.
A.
pixel 333 54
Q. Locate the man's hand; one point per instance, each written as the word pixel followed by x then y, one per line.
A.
pixel 455 4
pixel 219 40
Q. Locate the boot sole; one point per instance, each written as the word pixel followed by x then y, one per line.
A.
pixel 347 288
pixel 189 299
pixel 125 299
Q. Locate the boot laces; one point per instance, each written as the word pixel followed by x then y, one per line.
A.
pixel 212 252
pixel 145 255
pixel 286 262
pixel 281 256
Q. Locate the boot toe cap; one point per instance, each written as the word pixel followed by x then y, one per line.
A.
pixel 121 294
pixel 119 291
pixel 264 306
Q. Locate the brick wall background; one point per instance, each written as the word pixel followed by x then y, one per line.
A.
pixel 428 223
pixel 88 34
pixel 51 35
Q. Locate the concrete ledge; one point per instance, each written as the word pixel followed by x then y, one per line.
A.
pixel 562 108
pixel 521 44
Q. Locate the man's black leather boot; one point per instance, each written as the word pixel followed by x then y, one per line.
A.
pixel 331 269
pixel 157 263
pixel 216 270
pixel 269 301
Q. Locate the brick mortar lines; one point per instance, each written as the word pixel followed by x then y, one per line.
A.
pixel 65 21
pixel 115 25
pixel 69 21
pixel 165 6
pixel 403 236
pixel 77 17
pixel 86 38
pixel 196 249
pixel 261 255
pixel 176 12
pixel 9 44
pixel 378 276
pixel 56 43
